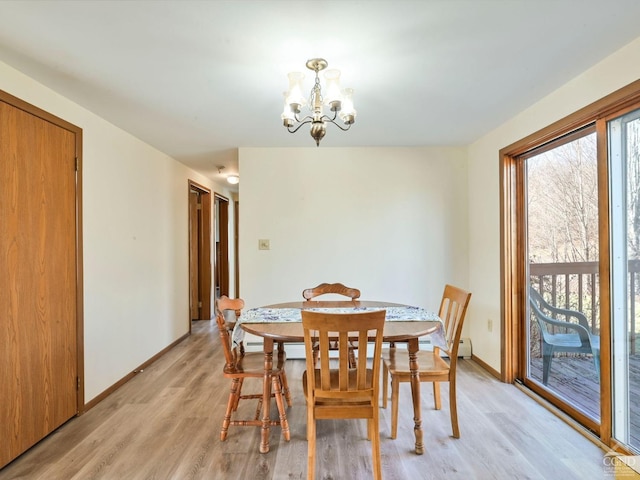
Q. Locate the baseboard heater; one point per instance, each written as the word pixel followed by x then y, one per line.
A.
pixel 296 350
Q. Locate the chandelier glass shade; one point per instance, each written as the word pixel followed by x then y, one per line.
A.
pixel 338 101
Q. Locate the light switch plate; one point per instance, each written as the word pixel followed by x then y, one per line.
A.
pixel 263 244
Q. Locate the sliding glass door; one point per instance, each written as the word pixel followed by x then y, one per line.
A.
pixel 570 244
pixel 561 204
pixel 563 269
pixel 623 135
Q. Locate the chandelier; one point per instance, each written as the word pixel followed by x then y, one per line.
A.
pixel 335 99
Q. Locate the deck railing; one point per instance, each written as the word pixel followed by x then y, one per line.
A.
pixel 576 286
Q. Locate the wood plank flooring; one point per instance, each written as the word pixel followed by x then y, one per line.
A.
pixel 165 424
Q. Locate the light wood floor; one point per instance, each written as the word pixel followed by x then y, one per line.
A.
pixel 165 424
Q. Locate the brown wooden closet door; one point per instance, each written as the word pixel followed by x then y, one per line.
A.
pixel 38 343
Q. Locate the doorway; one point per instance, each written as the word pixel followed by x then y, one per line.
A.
pixel 222 245
pixel 586 261
pixel 199 252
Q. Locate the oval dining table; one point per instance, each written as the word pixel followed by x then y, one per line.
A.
pixel 396 331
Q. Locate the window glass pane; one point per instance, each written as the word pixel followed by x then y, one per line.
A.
pixel 624 165
pixel 563 259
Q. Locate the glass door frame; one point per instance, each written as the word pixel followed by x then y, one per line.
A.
pixel 522 342
pixel 513 265
pixel 551 393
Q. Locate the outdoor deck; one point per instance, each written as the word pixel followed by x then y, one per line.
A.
pixel 574 378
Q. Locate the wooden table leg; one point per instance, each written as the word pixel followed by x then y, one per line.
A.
pixel 415 394
pixel 285 383
pixel 266 395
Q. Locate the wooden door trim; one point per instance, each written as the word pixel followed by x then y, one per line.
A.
pixel 77 131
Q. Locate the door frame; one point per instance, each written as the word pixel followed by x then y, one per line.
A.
pixel 221 266
pixel 513 279
pixel 77 131
pixel 204 250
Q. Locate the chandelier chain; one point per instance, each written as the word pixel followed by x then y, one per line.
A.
pixel 316 92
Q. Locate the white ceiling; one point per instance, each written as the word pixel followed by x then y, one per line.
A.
pixel 197 79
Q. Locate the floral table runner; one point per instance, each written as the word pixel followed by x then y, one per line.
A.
pixel 278 315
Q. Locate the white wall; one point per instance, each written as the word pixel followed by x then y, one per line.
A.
pixel 614 72
pixel 135 236
pixel 389 221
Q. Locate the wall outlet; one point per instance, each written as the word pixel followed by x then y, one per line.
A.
pixel 490 325
pixel 263 244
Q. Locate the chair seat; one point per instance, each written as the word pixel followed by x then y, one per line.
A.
pixel 564 340
pixel 398 362
pixel 571 342
pixel 358 405
pixel 252 365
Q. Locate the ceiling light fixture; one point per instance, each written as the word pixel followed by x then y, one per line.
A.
pixel 233 178
pixel 337 100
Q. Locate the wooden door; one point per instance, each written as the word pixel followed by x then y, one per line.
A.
pixel 38 282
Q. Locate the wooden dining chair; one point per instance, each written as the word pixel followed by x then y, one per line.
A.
pixel 231 315
pixel 342 392
pixel 432 367
pixel 338 289
pixel 240 365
